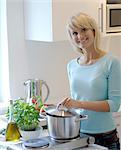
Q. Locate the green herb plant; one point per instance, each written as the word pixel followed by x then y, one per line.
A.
pixel 25 115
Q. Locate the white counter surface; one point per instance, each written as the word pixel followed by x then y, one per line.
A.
pixel 18 146
pixel 15 147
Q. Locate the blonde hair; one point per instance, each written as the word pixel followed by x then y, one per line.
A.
pixel 80 21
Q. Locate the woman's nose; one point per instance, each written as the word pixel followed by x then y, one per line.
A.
pixel 81 36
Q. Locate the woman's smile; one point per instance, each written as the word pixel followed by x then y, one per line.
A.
pixel 83 39
pixel 84 43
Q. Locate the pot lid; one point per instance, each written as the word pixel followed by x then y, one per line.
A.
pixel 35 143
pixel 53 111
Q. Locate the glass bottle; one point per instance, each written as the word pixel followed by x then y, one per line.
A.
pixel 12 131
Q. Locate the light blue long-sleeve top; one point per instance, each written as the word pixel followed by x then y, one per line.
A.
pixel 97 82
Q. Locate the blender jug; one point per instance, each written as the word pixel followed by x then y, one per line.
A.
pixel 34 89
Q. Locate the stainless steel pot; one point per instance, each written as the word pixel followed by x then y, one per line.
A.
pixel 62 125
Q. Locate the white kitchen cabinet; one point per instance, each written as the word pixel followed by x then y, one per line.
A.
pixel 45 20
pixel 117 118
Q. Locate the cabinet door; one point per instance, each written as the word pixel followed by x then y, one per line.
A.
pixel 38 20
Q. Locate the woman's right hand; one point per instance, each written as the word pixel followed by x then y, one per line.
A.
pixel 68 103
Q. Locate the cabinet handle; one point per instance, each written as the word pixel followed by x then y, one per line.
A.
pixel 100 16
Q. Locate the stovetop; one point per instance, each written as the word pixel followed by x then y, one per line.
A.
pixel 82 142
pixel 50 144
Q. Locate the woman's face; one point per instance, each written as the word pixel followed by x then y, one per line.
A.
pixel 83 38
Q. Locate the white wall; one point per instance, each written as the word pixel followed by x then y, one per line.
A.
pixel 47 61
pixel 16 46
pixel 112 44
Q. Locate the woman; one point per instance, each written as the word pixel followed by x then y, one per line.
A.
pixel 95 82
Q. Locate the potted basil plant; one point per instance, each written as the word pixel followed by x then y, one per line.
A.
pixel 27 118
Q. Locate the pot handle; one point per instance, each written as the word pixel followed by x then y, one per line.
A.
pixel 43 114
pixel 48 90
pixel 82 117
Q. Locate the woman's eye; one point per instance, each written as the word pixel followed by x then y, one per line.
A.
pixel 83 29
pixel 75 33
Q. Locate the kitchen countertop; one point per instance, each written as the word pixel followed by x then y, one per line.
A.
pixel 18 146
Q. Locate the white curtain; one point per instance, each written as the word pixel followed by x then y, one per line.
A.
pixel 4 67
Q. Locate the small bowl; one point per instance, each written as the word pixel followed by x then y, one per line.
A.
pixel 26 135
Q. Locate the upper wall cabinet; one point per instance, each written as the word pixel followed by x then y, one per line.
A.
pixel 45 20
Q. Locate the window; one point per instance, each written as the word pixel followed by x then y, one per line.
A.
pixel 4 67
